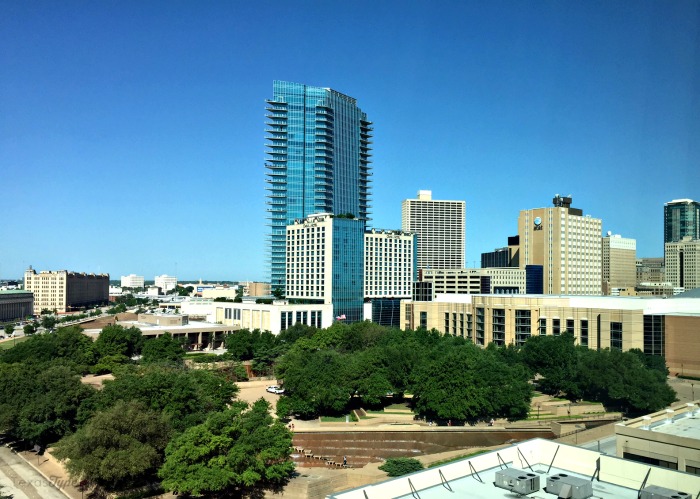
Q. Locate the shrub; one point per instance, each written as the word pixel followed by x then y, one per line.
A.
pixel 399 466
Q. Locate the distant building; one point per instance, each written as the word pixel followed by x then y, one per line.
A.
pixel 475 281
pixel 567 246
pixel 440 228
pixel 650 270
pixel 16 304
pixel 165 282
pixel 619 263
pixel 132 281
pixel 681 219
pixel 507 256
pixel 66 291
pixel 683 263
pixel 274 317
pixel 325 263
pixel 251 288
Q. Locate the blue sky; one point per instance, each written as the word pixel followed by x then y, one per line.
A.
pixel 132 133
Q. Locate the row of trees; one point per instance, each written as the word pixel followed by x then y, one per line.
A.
pixel 329 371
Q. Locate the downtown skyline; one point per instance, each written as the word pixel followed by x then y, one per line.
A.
pixel 132 137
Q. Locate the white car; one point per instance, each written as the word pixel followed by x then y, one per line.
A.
pixel 275 389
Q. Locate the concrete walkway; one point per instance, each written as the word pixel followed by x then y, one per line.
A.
pixel 22 480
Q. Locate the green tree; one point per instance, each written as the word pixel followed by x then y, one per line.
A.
pixel 465 383
pixel 316 381
pixel 48 322
pixel 240 344
pixel 399 466
pixel 118 448
pixel 555 359
pixel 164 349
pixel 234 452
pixel 185 396
pixel 29 329
pixel 67 343
pixel 9 329
pixel 118 340
pixel 50 396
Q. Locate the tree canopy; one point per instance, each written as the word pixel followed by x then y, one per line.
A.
pixel 118 448
pixel 164 349
pixel 239 449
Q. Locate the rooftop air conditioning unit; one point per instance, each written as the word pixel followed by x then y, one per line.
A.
pixel 656 492
pixel 517 481
pixel 569 487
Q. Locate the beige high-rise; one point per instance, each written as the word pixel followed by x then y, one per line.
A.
pixel 440 228
pixel 619 263
pixel 566 244
pixel 683 263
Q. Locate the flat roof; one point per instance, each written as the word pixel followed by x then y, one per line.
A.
pixel 609 477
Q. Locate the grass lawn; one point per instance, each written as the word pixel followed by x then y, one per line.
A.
pixel 10 343
pixel 336 419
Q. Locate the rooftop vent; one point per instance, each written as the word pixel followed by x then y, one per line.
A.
pixel 569 487
pixel 518 481
pixel 656 492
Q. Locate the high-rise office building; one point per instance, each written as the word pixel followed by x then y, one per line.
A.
pixel 683 263
pixel 619 264
pixel 318 161
pixel 165 282
pixel 566 244
pixel 325 264
pixel 440 227
pixel 681 219
pixel 132 281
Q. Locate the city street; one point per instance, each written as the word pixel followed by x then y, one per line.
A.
pixel 22 481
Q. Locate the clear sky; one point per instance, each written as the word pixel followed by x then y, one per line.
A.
pixel 132 133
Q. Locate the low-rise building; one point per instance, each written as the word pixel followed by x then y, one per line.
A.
pixel 657 326
pixel 507 280
pixel 16 304
pixel 669 438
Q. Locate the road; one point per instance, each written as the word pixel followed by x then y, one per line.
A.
pixel 22 481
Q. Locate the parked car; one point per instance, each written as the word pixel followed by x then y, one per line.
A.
pixel 275 389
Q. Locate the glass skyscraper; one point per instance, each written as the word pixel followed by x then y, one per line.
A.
pixel 681 219
pixel 318 161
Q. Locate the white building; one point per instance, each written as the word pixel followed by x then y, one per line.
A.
pixel 567 245
pixel 390 263
pixel 132 281
pixel 275 317
pixel 440 228
pixel 493 280
pixel 166 282
pixel 683 263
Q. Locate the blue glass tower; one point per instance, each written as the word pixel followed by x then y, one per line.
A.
pixel 318 161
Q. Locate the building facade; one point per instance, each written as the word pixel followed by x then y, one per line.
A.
pixel 132 281
pixel 390 263
pixel 318 161
pixel 619 263
pixel 683 263
pixel 440 228
pixel 650 270
pixel 65 291
pixel 165 282
pixel 656 326
pixel 681 219
pixel 476 281
pixel 325 263
pixel 567 246
pixel 274 317
pixel 16 304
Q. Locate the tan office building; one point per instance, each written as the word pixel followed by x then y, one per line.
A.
pixel 566 244
pixel 657 326
pixel 440 228
pixel 65 291
pixel 619 264
pixel 390 263
pixel 683 263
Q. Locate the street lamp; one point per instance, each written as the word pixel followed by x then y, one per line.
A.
pixel 692 390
